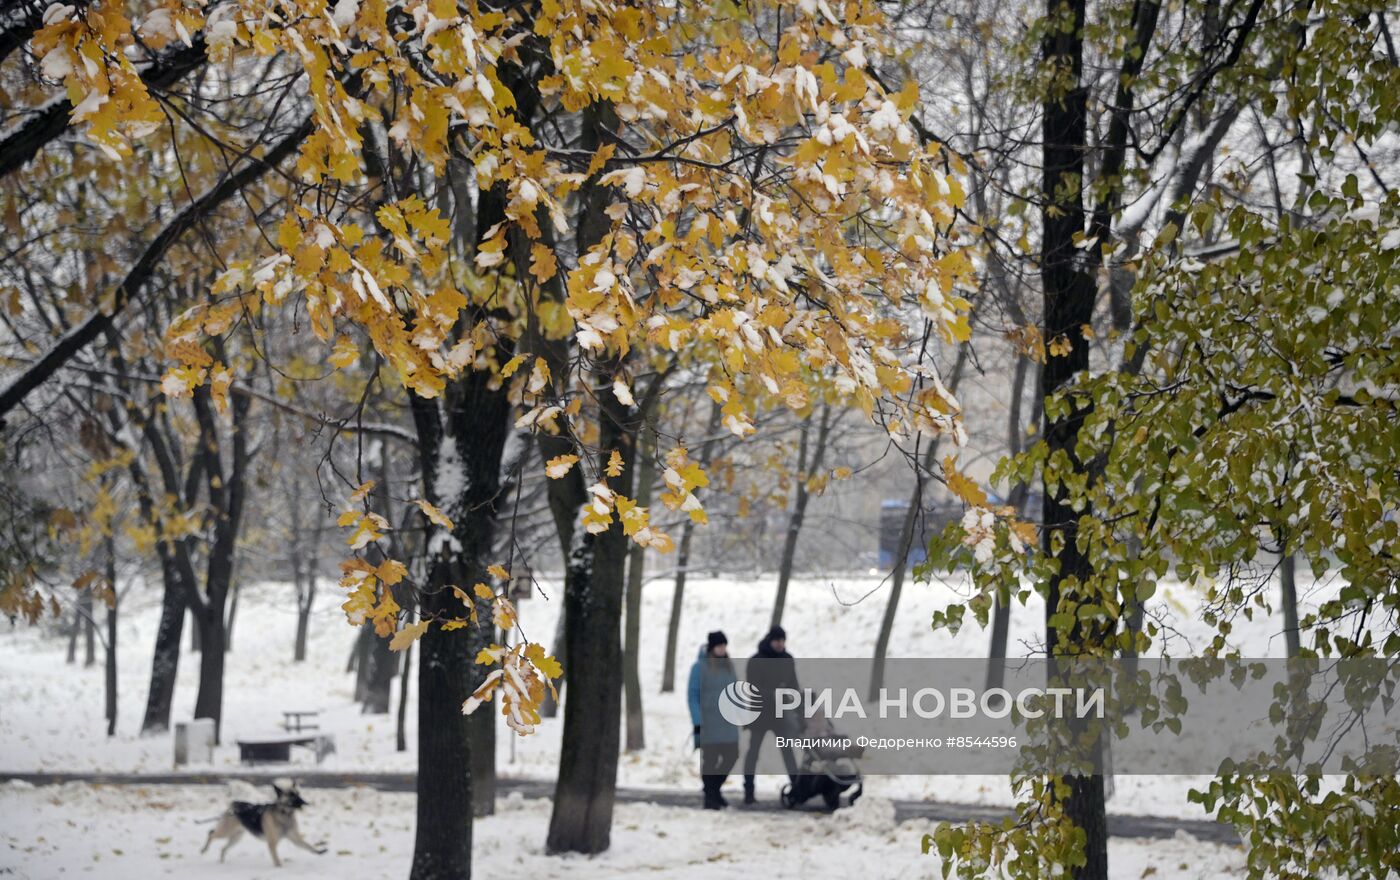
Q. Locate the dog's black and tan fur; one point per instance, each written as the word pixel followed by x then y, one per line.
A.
pixel 271 822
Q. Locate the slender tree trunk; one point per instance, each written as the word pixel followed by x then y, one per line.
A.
pixel 110 677
pixel 482 729
pixel 304 600
pixel 196 635
pixel 1068 293
pixel 673 627
pixel 401 722
pixel 805 471
pixel 632 638
pixel 906 541
pixel 1020 496
pixel 586 789
pixel 378 663
pixel 1288 583
pixel 89 622
pixel 73 629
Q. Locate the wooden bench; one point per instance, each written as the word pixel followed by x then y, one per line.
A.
pixel 278 749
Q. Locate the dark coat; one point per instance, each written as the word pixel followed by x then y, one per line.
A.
pixel 767 671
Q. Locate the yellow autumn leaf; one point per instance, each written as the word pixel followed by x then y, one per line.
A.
pixel 408 635
pixel 559 466
pixel 434 515
pixel 484 592
pixel 614 468
pixel 967 490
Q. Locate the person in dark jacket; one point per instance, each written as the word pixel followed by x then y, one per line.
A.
pixel 717 738
pixel 769 669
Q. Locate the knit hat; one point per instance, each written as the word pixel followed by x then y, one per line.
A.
pixel 715 638
pixel 776 634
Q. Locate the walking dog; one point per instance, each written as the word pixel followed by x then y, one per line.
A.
pixel 271 822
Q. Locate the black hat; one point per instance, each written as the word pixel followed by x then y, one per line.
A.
pixel 776 634
pixel 715 638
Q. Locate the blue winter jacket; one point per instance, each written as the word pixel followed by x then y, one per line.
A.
pixel 708 677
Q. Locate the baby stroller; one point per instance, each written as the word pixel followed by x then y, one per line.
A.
pixel 825 771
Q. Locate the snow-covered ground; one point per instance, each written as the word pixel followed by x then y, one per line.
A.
pixel 51 719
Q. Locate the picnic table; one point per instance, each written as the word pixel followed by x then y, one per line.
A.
pixel 295 720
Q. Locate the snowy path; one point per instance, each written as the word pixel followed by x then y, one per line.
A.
pixel 1142 827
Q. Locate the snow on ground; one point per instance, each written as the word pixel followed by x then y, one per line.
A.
pixel 136 833
pixel 51 719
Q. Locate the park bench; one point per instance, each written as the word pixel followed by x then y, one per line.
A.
pixel 278 749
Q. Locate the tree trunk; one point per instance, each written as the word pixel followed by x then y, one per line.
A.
pixel 1288 583
pixel 584 794
pixel 1020 496
pixel 1068 294
pixel 477 422
pixel 673 627
pixel 799 507
pixel 110 677
pixel 165 662
pixel 73 629
pixel 906 542
pixel 232 615
pixel 89 621
pixel 378 664
pixel 304 600
pixel 481 727
pixel 401 723
pixel 632 637
pixel 210 701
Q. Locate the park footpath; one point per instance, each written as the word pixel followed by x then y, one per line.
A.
pixel 1142 827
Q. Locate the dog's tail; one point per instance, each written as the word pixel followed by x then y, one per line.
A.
pixel 207 821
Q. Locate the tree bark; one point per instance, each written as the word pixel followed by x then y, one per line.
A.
pixel 476 423
pixel 1068 294
pixel 799 507
pixel 673 627
pixel 401 722
pixel 165 662
pixel 110 676
pixel 1288 584
pixel 586 788
pixel 632 637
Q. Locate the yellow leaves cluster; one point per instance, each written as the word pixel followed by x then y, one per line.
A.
pixel 86 49
pixel 525 671
pixel 681 476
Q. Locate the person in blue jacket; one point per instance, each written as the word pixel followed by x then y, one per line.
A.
pixel 717 739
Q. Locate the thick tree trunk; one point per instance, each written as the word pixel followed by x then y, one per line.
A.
pixel 673 626
pixel 165 662
pixel 477 423
pixel 632 637
pixel 906 542
pixel 584 794
pixel 210 701
pixel 1068 293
